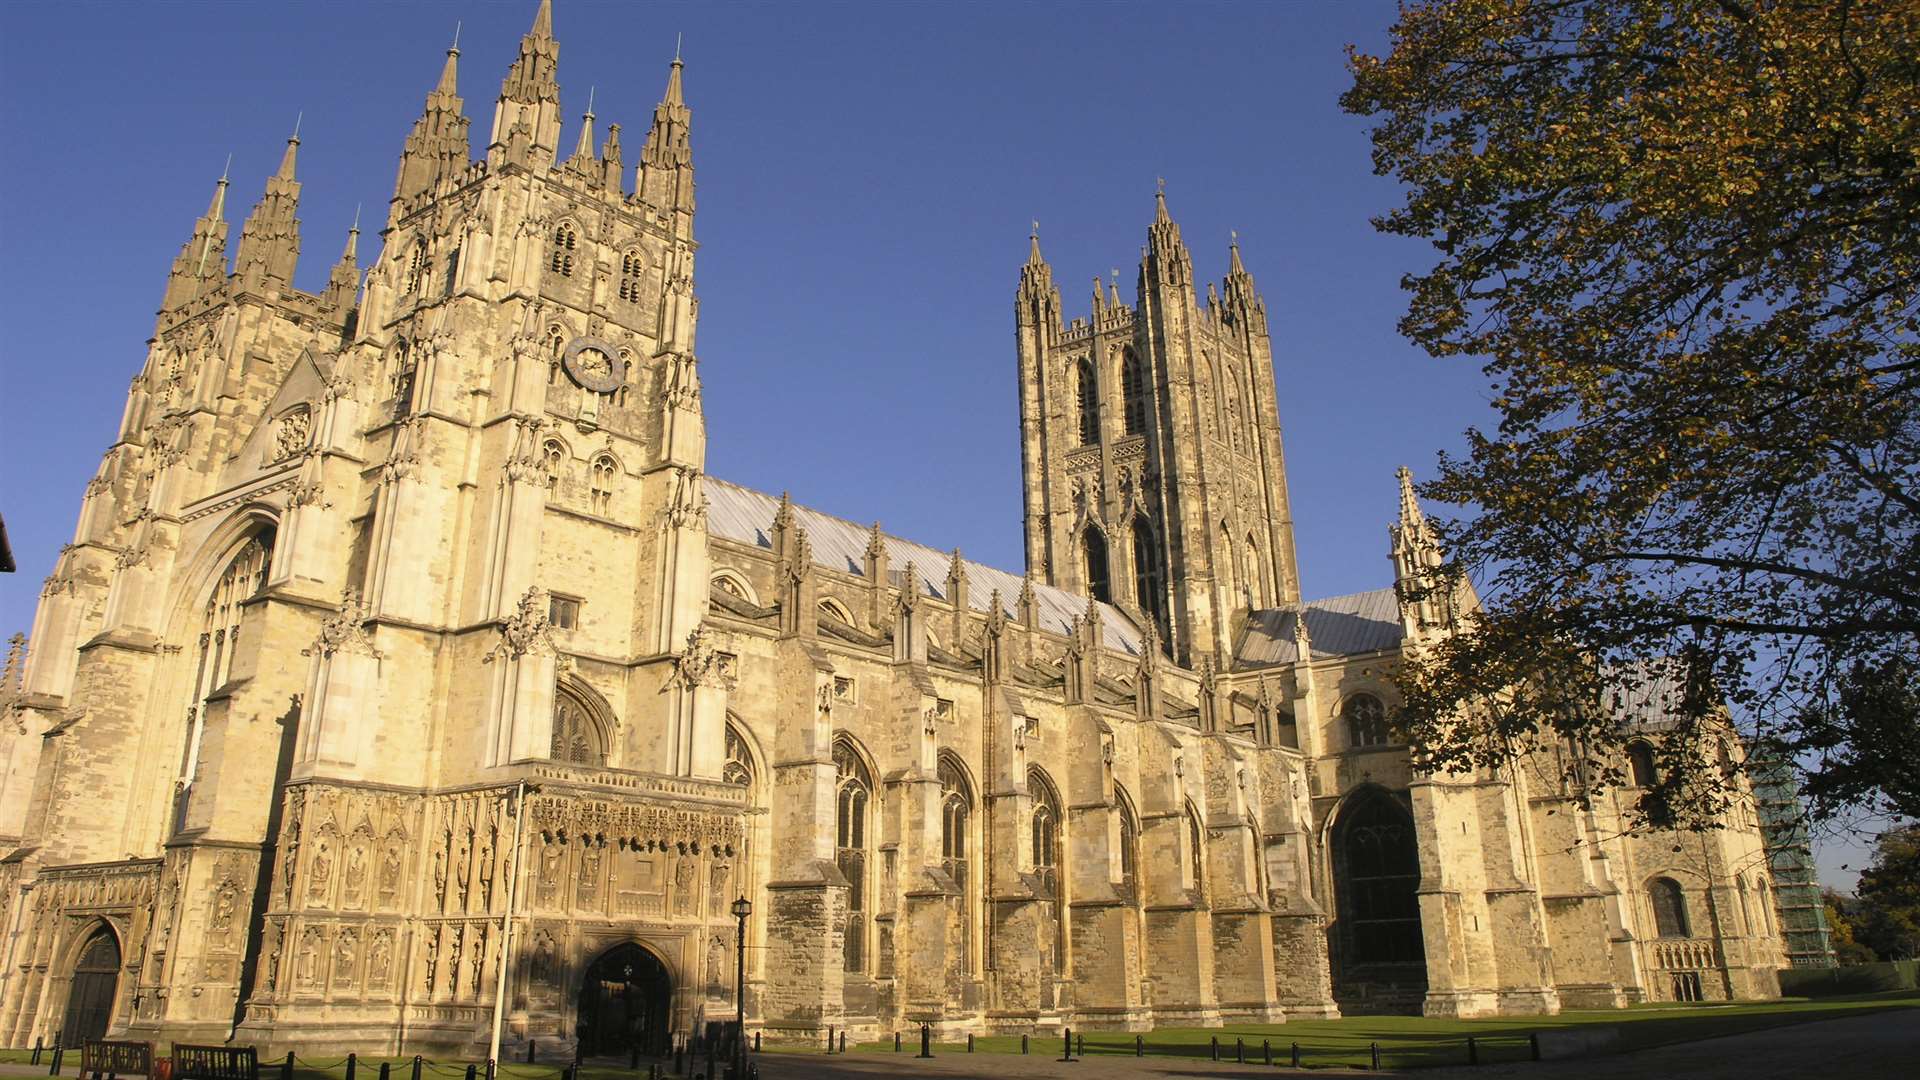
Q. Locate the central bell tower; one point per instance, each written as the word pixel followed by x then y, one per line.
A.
pixel 1150 447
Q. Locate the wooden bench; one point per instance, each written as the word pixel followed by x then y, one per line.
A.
pixel 215 1063
pixel 100 1058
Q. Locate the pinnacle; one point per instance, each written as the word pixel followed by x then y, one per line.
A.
pixel 287 159
pixel 449 83
pixel 1234 265
pixel 675 94
pixel 1160 215
pixel 543 21
pixel 1409 502
pixel 1034 257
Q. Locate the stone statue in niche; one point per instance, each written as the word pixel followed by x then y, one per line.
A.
pixel 346 950
pixel 432 947
pixel 717 890
pixel 270 957
pixel 476 957
pixel 379 959
pixel 717 964
pixel 223 904
pixel 462 868
pixel 551 857
pixel 390 871
pixel 683 886
pixel 354 873
pixel 540 968
pixel 309 970
pixel 589 871
pixel 453 963
pixel 320 874
pixel 486 869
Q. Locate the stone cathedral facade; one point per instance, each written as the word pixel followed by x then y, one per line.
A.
pixel 406 663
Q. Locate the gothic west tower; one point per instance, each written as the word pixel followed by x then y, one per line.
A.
pixel 1150 447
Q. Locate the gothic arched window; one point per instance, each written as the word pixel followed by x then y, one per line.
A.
pixel 553 456
pixel 1376 863
pixel 850 843
pixel 631 267
pixel 956 817
pixel 1366 721
pixel 560 260
pixel 1094 547
pixel 1133 391
pixel 1196 850
pixel 417 264
pixel 1045 831
pixel 219 640
pixel 1669 907
pixel 1129 841
pixel 576 734
pixel 605 469
pixel 1640 765
pixel 1086 399
pixel 1255 578
pixel 739 766
pixel 1146 569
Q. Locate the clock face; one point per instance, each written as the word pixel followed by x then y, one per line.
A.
pixel 592 363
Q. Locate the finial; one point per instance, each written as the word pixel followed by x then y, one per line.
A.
pixel 1036 229
pixel 1233 237
pixel 1160 185
pixel 1115 272
pixel 298 118
pixel 456 37
pixel 590 91
pixel 227 169
pixel 355 227
pixel 676 46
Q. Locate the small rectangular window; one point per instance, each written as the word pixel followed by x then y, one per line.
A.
pixel 843 688
pixel 563 612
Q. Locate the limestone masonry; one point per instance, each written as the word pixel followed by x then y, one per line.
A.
pixel 362 563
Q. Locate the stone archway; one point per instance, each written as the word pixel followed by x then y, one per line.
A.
pixel 96 984
pixel 625 1003
pixel 1378 949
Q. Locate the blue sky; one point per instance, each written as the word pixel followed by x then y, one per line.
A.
pixel 866 173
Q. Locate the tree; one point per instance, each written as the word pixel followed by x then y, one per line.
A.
pixel 1886 918
pixel 1839 911
pixel 1683 238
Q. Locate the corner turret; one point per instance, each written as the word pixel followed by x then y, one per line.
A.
pixel 526 119
pixel 202 263
pixel 270 239
pixel 665 175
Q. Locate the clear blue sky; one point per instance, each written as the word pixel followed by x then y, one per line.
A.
pixel 866 177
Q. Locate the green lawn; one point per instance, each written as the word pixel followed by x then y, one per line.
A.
pixel 1404 1041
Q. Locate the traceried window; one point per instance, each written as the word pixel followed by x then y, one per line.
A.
pixel 1133 391
pixel 1669 907
pixel 1196 850
pixel 1129 842
pixel 956 815
pixel 1377 879
pixel 1086 399
pixel 1146 569
pixel 576 734
pixel 1045 827
pixel 560 260
pixel 417 264
pixel 400 378
pixel 452 280
pixel 1366 721
pixel 219 641
pixel 603 474
pixel 553 456
pixel 730 585
pixel 1094 548
pixel 632 266
pixel 1256 579
pixel 739 766
pixel 855 796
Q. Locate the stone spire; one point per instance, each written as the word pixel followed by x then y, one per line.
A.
pixel 270 238
pixel 1240 291
pixel 1426 600
pixel 343 284
pixel 1038 302
pixel 437 147
pixel 610 168
pixel 665 176
pixel 583 161
pixel 526 119
pixel 202 261
pixel 1167 257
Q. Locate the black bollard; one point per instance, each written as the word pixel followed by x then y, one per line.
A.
pixel 472 1070
pixel 490 1067
pixel 1373 1050
pixel 969 1042
pixel 679 1058
pixel 756 1042
pixel 36 1053
pixel 1473 1052
pixel 1296 1055
pixel 286 1068
pixel 416 1067
pixel 1533 1044
pixel 926 1041
pixel 1240 1051
pixel 532 1052
pixel 1215 1051
pixel 353 1061
pixel 1023 1044
pixel 385 1071
pixel 1080 1044
pixel 843 1040
pixel 896 1042
pixel 1139 1046
pixel 1066 1049
pixel 829 1038
pixel 1266 1050
pixel 58 1053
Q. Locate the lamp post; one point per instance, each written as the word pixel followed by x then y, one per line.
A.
pixel 741 909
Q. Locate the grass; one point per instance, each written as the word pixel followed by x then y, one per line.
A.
pixel 1405 1041
pixel 1415 1041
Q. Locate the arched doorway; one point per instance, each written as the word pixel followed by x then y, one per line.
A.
pixel 626 1002
pixel 96 982
pixel 1379 952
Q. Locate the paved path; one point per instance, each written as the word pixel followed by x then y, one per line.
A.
pixel 1879 1046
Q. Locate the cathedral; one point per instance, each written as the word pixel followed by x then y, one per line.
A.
pixel 408 675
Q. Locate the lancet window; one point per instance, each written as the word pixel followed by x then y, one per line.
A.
pixel 1196 850
pixel 1366 721
pixel 576 733
pixel 1146 569
pixel 1087 403
pixel 855 798
pixel 1133 391
pixel 1129 842
pixel 631 268
pixel 560 260
pixel 1094 547
pixel 417 264
pixel 1640 765
pixel 1669 907
pixel 956 816
pixel 604 472
pixel 219 641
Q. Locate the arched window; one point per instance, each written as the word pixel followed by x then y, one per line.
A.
pixel 1146 569
pixel 1256 580
pixel 1640 765
pixel 1233 418
pixel 1045 828
pixel 850 843
pixel 560 260
pixel 1366 721
pixel 834 608
pixel 219 641
pixel 556 353
pixel 400 378
pixel 1094 547
pixel 577 737
pixel 1133 391
pixel 1377 878
pixel 739 766
pixel 1669 907
pixel 605 469
pixel 417 264
pixel 631 267
pixel 1196 850
pixel 956 814
pixel 1129 842
pixel 553 456
pixel 1087 400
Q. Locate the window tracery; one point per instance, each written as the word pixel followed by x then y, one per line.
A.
pixel 603 473
pixel 854 796
pixel 218 642
pixel 1133 391
pixel 1669 907
pixel 1087 403
pixel 956 815
pixel 632 265
pixel 577 737
pixel 1366 721
pixel 560 260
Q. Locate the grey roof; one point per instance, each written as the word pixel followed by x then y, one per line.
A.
pixel 746 516
pixel 1337 626
pixel 1645 694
